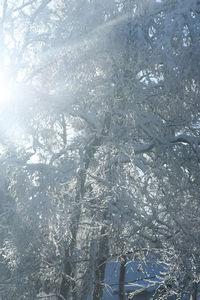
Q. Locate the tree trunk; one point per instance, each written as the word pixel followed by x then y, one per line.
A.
pixel 100 265
pixel 122 277
pixel 88 275
pixel 194 294
pixel 68 283
pixel 68 280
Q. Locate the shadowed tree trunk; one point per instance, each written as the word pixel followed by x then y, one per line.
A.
pixel 194 295
pixel 88 275
pixel 101 260
pixel 122 275
pixel 68 281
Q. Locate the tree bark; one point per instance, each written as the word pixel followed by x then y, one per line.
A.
pixel 88 275
pixel 68 280
pixel 122 277
pixel 100 265
pixel 194 294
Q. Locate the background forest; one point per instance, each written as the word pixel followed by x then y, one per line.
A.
pixel 99 144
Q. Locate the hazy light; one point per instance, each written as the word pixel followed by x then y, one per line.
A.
pixel 5 90
pixel 10 125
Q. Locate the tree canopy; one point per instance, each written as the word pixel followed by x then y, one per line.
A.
pixel 100 144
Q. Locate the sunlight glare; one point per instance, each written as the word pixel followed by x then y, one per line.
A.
pixel 5 88
pixel 4 92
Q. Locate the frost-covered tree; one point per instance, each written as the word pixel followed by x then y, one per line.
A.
pixel 162 85
pixel 101 151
